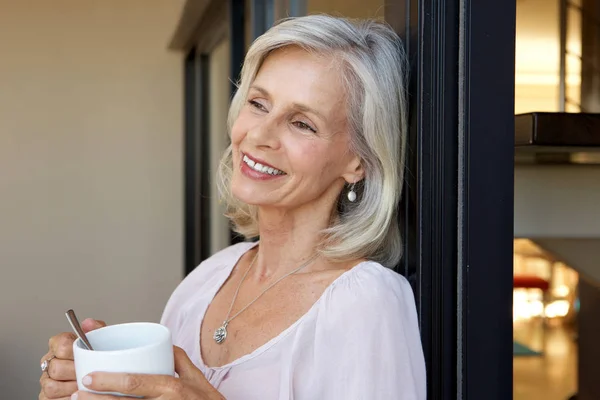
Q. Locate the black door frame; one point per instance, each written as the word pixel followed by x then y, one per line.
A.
pixel 458 203
pixel 208 32
pixel 196 160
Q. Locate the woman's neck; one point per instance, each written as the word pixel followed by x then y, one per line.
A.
pixel 288 239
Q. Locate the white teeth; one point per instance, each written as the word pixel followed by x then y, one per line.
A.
pixel 261 168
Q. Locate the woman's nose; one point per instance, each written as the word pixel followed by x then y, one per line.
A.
pixel 265 133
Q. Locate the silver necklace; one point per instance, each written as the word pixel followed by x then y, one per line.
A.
pixel 221 333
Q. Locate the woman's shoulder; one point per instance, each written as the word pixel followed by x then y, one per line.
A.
pixel 371 289
pixel 232 252
pixel 224 258
pixel 370 319
pixel 220 262
pixel 208 274
pixel 372 280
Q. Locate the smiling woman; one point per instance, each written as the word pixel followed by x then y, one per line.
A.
pixel 278 129
pixel 310 311
pixel 345 84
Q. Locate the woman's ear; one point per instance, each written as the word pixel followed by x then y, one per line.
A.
pixel 355 171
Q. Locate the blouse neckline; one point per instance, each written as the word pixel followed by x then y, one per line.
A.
pixel 273 341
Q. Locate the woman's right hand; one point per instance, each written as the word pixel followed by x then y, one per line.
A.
pixel 59 381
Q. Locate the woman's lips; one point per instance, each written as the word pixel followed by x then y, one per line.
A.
pixel 253 174
pixel 258 169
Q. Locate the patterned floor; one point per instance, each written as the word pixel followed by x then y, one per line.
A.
pixel 551 376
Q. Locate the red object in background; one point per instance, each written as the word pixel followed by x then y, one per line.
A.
pixel 530 282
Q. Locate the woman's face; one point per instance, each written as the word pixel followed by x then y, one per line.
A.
pixel 291 142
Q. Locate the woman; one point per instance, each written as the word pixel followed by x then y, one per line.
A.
pixel 311 310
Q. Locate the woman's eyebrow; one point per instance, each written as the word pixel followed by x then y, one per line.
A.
pixel 259 89
pixel 306 109
pixel 296 106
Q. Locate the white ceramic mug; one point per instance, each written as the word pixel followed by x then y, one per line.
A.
pixel 137 347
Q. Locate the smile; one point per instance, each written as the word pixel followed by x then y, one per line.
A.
pixel 261 168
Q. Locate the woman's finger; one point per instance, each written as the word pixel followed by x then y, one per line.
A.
pixel 90 324
pixel 83 395
pixel 42 396
pixel 61 370
pixel 61 345
pixel 145 385
pixel 56 389
pixel 184 366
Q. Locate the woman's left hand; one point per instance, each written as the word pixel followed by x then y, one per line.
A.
pixel 191 384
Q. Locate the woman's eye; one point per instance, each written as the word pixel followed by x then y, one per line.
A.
pixel 257 105
pixel 304 126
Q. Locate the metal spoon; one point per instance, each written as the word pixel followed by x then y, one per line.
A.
pixel 77 328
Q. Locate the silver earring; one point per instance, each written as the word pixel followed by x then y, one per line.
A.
pixel 352 194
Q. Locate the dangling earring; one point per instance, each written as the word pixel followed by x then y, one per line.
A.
pixel 352 194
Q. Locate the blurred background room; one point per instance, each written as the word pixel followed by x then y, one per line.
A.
pixel 557 197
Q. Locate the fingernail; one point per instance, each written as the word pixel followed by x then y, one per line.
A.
pixel 87 380
pixel 74 396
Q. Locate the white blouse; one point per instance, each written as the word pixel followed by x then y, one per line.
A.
pixel 360 340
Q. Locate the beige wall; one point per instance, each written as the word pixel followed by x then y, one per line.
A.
pixel 559 208
pixel 219 93
pixel 90 170
pixel 557 201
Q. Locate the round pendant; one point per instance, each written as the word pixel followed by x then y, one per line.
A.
pixel 220 334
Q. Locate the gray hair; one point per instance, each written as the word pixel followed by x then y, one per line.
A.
pixel 374 71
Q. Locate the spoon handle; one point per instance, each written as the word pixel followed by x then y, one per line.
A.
pixel 77 328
